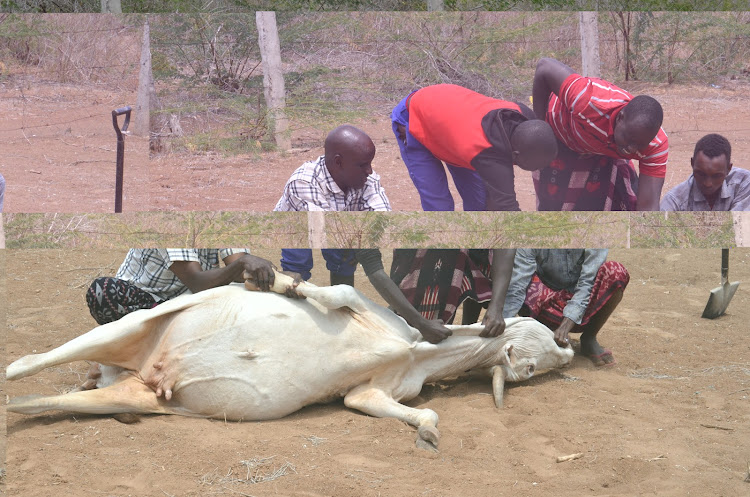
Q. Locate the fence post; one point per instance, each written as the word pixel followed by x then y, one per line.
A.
pixel 273 78
pixel 111 7
pixel 432 5
pixel 146 98
pixel 316 229
pixel 588 23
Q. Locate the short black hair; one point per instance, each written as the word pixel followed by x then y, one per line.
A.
pixel 536 134
pixel 645 110
pixel 714 145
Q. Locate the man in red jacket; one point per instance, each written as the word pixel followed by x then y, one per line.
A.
pixel 478 137
pixel 601 128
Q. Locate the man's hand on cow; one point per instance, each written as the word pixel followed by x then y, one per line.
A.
pixel 494 325
pixel 259 271
pixel 291 292
pixel 433 330
pixel 561 333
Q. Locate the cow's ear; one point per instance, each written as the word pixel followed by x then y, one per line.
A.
pixel 510 358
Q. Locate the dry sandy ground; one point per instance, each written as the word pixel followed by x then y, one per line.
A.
pixel 59 153
pixel 672 418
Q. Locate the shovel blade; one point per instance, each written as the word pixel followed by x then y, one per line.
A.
pixel 719 300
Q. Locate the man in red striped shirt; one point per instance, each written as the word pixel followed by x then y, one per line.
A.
pixel 591 116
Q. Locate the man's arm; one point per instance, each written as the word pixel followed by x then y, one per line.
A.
pixel 372 263
pixel 649 192
pixel 499 181
pixel 575 308
pixel 502 270
pixel 548 78
pixel 524 267
pixel 432 331
pixel 196 279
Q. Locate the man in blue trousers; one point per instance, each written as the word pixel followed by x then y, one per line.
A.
pixel 479 138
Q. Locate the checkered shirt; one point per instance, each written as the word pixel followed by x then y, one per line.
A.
pixel 583 118
pixel 148 269
pixel 311 188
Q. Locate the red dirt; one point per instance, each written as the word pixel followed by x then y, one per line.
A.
pixel 67 162
pixel 671 418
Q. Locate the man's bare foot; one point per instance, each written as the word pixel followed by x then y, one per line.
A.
pixel 598 354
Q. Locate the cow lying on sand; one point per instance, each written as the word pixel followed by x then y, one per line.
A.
pixel 229 353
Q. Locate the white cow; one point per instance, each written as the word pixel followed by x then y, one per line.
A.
pixel 229 353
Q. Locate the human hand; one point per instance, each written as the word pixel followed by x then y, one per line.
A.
pixel 561 333
pixel 434 331
pixel 291 292
pixel 494 324
pixel 258 270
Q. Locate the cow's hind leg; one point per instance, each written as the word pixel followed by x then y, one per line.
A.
pixel 376 402
pixel 128 395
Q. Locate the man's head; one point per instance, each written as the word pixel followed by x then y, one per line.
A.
pixel 711 163
pixel 534 145
pixel 637 124
pixel 349 153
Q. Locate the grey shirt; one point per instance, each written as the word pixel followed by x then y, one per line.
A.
pixel 735 195
pixel 573 270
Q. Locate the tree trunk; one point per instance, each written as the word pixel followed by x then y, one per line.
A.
pixel 273 78
pixel 588 23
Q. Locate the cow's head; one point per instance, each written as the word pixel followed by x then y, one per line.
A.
pixel 524 355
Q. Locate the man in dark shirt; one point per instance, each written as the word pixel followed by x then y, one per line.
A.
pixel 478 137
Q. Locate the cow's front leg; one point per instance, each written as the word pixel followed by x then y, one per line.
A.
pixel 376 402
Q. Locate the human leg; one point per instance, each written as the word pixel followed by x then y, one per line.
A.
pixel 342 265
pixel 470 186
pixel 109 299
pixel 297 260
pixel 425 170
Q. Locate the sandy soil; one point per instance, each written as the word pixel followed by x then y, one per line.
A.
pixel 671 418
pixel 59 153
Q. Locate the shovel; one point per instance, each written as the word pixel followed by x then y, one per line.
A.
pixel 720 296
pixel 120 152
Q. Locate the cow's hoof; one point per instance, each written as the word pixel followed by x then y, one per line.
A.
pixel 428 438
pixel 127 418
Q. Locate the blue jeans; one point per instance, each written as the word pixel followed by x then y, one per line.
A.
pixel 338 261
pixel 428 174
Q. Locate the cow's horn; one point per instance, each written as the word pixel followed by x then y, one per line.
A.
pixel 498 385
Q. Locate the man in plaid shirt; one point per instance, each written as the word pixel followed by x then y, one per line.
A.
pixel 340 180
pixel 591 116
pixel 148 277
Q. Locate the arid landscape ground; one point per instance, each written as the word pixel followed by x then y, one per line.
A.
pixel 59 152
pixel 672 418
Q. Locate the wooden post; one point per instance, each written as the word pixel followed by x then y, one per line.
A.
pixel 432 5
pixel 111 7
pixel 316 229
pixel 146 100
pixel 273 78
pixel 588 23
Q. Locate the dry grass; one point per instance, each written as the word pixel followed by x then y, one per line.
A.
pixel 249 471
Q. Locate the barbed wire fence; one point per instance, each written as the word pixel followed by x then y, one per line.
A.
pixel 341 65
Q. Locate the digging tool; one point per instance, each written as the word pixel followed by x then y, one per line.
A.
pixel 120 152
pixel 720 296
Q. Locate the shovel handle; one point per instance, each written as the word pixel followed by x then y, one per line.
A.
pixel 724 265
